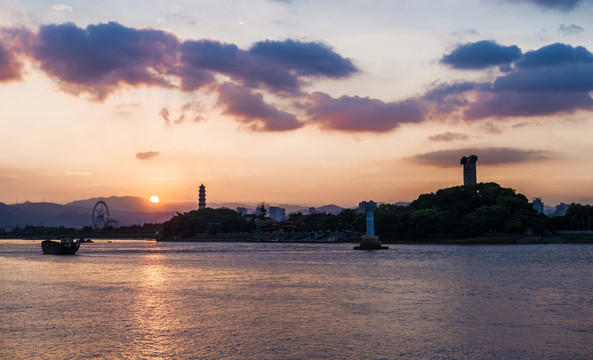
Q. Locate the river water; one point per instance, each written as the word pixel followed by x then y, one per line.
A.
pixel 128 299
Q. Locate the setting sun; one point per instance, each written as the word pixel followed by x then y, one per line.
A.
pixel 154 199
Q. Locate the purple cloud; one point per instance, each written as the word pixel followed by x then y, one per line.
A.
pixel 354 114
pixel 276 65
pixel 249 108
pixel 553 79
pixel 101 57
pixel 481 55
pixel 146 155
pixel 10 67
pixel 488 156
pixel 512 104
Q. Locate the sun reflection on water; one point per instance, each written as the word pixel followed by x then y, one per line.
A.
pixel 151 310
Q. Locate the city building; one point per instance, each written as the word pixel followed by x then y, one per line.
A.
pixel 277 213
pixel 202 197
pixel 469 169
pixel 242 211
pixel 259 211
pixel 313 210
pixel 538 205
pixel 561 209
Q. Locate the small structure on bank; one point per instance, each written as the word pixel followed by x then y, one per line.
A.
pixel 202 197
pixel 370 241
pixel 469 169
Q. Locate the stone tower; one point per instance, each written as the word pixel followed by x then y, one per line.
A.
pixel 469 169
pixel 202 197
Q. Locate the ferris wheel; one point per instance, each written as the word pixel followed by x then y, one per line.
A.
pixel 100 215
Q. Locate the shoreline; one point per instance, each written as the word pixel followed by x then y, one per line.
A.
pixel 502 239
pixel 475 240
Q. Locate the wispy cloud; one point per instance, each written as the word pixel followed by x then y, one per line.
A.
pixel 486 156
pixel 78 173
pixel 448 136
pixel 147 155
pixel 191 111
pixel 571 29
pixel 62 7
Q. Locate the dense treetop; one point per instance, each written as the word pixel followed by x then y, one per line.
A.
pixel 454 212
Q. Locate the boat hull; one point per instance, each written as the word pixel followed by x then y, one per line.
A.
pixel 58 248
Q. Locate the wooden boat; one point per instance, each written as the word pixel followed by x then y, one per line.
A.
pixel 65 246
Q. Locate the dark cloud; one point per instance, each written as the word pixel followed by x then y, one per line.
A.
pixel 571 29
pixel 481 55
pixel 146 155
pixel 555 55
pixel 212 55
pixel 448 136
pixel 354 114
pixel 277 65
pixel 249 108
pixel 487 156
pixel 562 5
pixel 305 58
pixel 558 79
pixel 193 78
pixel 101 57
pixel 440 92
pixel 553 79
pixel 445 99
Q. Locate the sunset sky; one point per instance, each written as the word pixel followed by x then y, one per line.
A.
pixel 294 101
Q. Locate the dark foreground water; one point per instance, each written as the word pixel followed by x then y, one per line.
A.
pixel 141 299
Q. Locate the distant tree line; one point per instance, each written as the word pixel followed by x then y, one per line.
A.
pixel 43 232
pixel 577 218
pixel 458 211
pixel 210 221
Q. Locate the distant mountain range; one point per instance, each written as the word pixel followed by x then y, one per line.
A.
pixel 127 210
